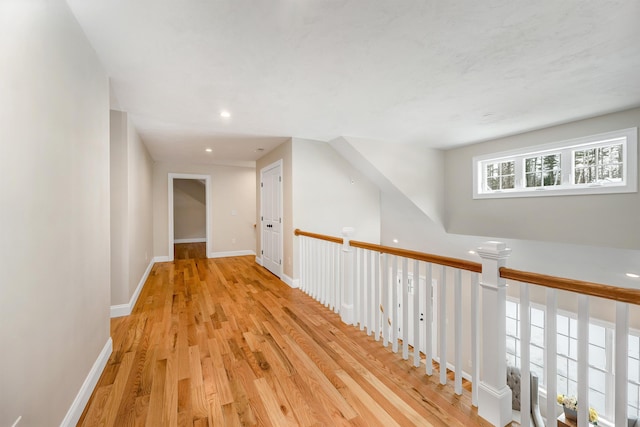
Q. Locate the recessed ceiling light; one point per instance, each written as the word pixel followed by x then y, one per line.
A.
pixel 208 150
pixel 472 252
pixel 395 240
pixel 225 114
pixel 632 275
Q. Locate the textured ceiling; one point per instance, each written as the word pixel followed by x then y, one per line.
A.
pixel 437 73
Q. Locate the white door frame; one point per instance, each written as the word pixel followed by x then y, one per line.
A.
pixel 207 198
pixel 277 163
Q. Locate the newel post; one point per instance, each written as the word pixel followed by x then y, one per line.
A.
pixel 494 396
pixel 346 310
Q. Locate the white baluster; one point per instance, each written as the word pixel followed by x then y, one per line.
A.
pixel 339 279
pixel 328 274
pixel 313 265
pixel 428 320
pixel 386 313
pixel 525 339
pixel 329 284
pixel 371 274
pixel 346 304
pixel 319 259
pixel 376 299
pixel 308 263
pixel 356 286
pixel 416 313
pixel 335 275
pixel 303 262
pixel 621 368
pixel 316 270
pixel 583 360
pixel 551 357
pixel 442 323
pixel 323 273
pixel 458 330
pixel 475 320
pixel 362 259
pixel 405 308
pixel 394 305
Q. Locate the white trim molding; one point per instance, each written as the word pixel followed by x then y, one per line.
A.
pixel 293 283
pixel 195 240
pixel 259 261
pixel 120 310
pixel 230 254
pixel 163 258
pixel 78 404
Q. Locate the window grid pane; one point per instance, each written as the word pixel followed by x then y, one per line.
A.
pixel 602 164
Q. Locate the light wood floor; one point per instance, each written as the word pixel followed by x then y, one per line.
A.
pixel 222 342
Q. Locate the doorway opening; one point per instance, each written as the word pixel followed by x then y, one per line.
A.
pixel 189 210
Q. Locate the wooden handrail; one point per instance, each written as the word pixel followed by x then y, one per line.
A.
pixel 299 232
pixel 615 293
pixel 421 256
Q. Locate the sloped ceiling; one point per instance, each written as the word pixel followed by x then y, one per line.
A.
pixel 435 73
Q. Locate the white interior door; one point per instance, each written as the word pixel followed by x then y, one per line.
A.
pixel 271 218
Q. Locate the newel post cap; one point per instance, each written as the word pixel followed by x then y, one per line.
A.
pixel 494 250
pixel 347 232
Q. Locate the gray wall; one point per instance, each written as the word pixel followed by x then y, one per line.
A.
pixel 607 220
pixel 189 209
pixel 131 208
pixel 232 189
pixel 54 209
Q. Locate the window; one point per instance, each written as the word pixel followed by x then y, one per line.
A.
pixel 501 175
pixel 542 171
pixel 604 163
pixel 536 348
pixel 601 354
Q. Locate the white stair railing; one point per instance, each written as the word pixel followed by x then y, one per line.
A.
pixel 402 299
pixel 399 297
pixel 586 294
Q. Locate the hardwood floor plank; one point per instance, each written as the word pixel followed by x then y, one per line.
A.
pixel 366 404
pixel 278 410
pixel 223 342
pixel 156 399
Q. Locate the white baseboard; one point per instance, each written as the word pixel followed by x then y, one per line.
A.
pixel 164 258
pixel 452 368
pixel 293 283
pixel 259 261
pixel 125 309
pixel 75 411
pixel 194 240
pixel 230 253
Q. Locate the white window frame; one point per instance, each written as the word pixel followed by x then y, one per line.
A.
pixel 629 184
